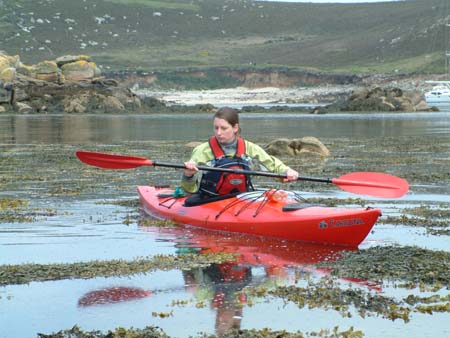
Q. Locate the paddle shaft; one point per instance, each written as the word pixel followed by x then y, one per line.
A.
pixel 336 181
pixel 237 171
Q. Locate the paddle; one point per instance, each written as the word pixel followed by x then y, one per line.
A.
pixel 363 183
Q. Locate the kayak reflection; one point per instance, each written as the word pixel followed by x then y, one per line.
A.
pixel 261 262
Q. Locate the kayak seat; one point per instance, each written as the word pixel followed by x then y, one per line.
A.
pixel 197 199
pixel 297 206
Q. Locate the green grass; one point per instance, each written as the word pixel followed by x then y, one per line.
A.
pixel 430 63
pixel 167 4
pixel 408 36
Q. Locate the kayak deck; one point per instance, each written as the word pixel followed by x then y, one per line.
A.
pixel 270 213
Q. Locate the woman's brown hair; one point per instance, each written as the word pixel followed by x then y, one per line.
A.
pixel 230 115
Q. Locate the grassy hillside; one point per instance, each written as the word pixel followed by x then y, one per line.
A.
pixel 147 35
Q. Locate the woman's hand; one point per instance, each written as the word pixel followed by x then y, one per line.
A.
pixel 291 175
pixel 191 168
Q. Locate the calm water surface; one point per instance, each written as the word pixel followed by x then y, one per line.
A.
pixel 86 229
pixel 106 129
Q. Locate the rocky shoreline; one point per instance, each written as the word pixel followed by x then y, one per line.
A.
pixel 74 85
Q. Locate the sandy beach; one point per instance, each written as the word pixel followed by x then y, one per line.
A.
pixel 250 96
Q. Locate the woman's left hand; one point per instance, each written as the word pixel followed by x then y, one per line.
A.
pixel 291 175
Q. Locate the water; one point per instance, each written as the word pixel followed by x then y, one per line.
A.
pixel 88 227
pixel 85 129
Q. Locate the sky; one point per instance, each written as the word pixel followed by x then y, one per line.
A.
pixel 332 1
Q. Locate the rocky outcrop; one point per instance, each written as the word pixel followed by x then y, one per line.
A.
pixel 69 84
pixel 381 99
pixel 295 147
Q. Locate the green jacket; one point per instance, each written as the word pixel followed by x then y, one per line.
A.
pixel 203 155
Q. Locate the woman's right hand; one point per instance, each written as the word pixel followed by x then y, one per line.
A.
pixel 191 168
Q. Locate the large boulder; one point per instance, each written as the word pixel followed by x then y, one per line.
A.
pixel 80 70
pixel 295 147
pixel 65 59
pixel 47 71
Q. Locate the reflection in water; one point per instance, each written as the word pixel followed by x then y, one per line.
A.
pixel 260 262
pixel 66 129
pixel 113 295
pixel 220 286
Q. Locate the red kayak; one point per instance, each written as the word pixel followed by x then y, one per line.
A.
pixel 269 213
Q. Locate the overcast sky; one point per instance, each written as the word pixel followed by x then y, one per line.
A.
pixel 332 1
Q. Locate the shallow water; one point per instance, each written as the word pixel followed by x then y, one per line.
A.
pixel 86 223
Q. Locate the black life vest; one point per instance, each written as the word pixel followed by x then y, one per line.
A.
pixel 214 183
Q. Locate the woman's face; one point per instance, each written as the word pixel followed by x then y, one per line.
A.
pixel 225 132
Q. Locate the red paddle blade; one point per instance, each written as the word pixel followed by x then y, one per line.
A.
pixel 112 161
pixel 373 184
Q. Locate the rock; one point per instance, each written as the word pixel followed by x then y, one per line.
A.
pixel 113 105
pixel 7 61
pixel 8 74
pixel 105 82
pixel 75 104
pixel 128 99
pixel 51 77
pixel 6 94
pixel 27 70
pixel 69 84
pixel 378 99
pixel 46 67
pixel 294 147
pixel 415 97
pixel 319 110
pixel 2 109
pixel 62 60
pixel 421 106
pixel 79 71
pixel 406 105
pixel 386 105
pixel 22 108
pixel 395 92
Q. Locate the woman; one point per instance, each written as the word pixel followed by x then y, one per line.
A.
pixel 227 149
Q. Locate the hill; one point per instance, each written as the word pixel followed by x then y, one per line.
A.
pixel 127 35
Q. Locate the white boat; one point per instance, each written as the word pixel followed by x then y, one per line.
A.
pixel 439 94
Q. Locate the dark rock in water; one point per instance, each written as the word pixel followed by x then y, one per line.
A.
pixel 294 147
pixel 381 99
